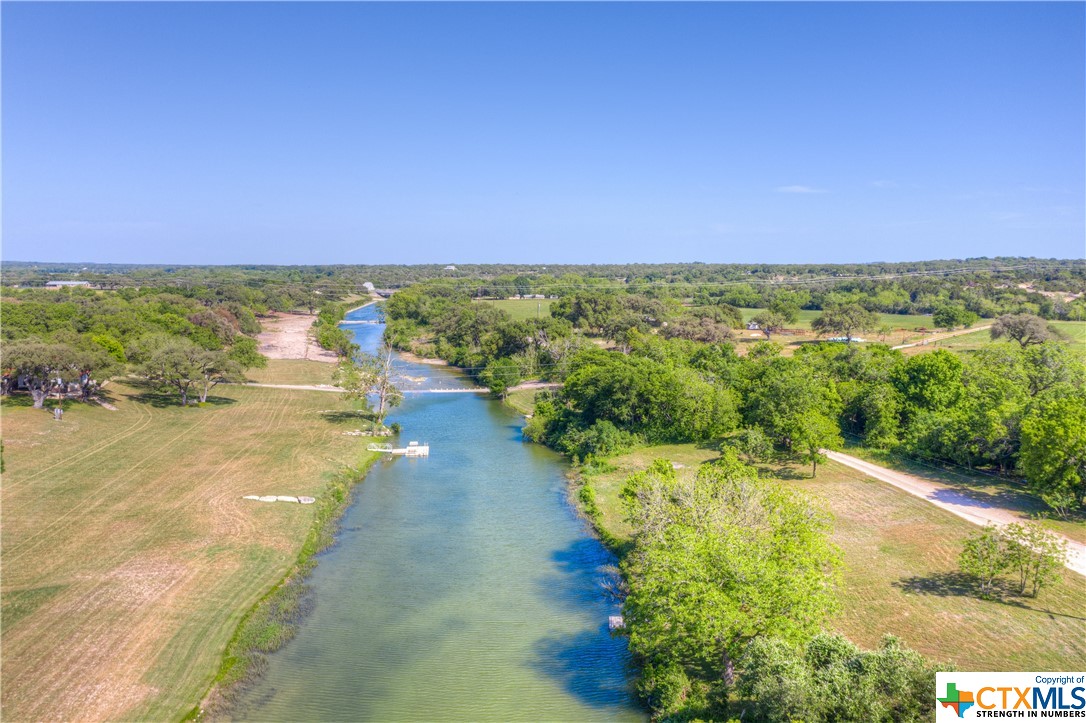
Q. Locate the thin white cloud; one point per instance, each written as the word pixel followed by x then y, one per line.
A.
pixel 800 189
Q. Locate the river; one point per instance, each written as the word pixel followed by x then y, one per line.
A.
pixel 462 586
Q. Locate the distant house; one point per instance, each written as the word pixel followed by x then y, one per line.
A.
pixel 753 326
pixel 450 267
pixel 368 286
pixel 62 284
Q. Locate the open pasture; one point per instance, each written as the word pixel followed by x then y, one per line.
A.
pixel 129 554
pixel 900 572
pixel 521 309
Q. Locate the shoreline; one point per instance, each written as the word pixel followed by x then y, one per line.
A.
pixel 363 306
pixel 272 621
pixel 416 359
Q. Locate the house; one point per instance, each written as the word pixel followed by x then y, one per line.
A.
pixel 753 326
pixel 450 267
pixel 62 284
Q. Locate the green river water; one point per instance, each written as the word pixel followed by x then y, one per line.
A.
pixel 462 586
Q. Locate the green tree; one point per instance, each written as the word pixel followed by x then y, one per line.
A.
pixel 245 352
pixel 930 381
pixel 177 365
pixel 215 368
pixel 721 313
pixel 719 559
pixel 786 306
pixel 753 443
pixel 985 555
pixel 111 345
pixel 499 375
pixel 367 374
pixel 815 433
pixel 770 322
pixel 47 366
pixel 1053 453
pixel 796 408
pixel 831 679
pixel 949 316
pixel 1026 329
pixel 845 320
pixel 1035 554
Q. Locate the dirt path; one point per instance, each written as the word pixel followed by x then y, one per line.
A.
pixel 954 501
pixel 535 385
pixel 939 337
pixel 287 336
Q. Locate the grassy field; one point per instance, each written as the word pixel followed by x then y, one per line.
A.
pixel 900 573
pixel 293 371
pixel 129 554
pixel 522 400
pixel 1069 332
pixel 522 308
pixel 896 321
pixel 992 489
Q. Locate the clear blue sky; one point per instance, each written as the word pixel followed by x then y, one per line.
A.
pixel 409 133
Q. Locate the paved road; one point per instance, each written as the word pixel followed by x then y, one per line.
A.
pixel 952 500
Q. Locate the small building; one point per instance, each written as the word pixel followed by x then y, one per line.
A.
pixel 450 267
pixel 63 284
pixel 753 326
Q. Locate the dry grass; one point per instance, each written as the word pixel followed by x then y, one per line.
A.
pixel 129 555
pixel 899 576
pixel 293 371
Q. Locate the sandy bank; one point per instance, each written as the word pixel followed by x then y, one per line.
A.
pixel 289 336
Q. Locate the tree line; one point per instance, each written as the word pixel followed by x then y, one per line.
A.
pixel 730 582
pixel 1050 288
pixel 675 376
pixel 183 344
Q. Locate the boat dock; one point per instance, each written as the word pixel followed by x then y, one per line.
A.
pixel 413 449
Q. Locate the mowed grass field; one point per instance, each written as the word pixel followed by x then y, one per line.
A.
pixel 1068 332
pixel 895 321
pixel 293 371
pixel 900 573
pixel 521 309
pixel 987 489
pixel 129 555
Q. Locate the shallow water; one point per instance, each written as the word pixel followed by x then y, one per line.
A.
pixel 462 586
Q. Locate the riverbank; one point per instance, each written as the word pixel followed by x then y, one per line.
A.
pixel 398 607
pixel 272 621
pixel 130 555
pixel 373 300
pixel 416 359
pixel 289 336
pixel 900 572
